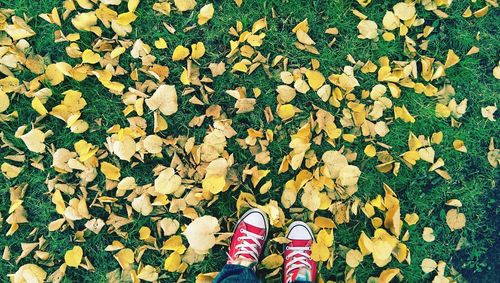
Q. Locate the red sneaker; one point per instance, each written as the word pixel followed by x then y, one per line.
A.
pixel 298 263
pixel 248 239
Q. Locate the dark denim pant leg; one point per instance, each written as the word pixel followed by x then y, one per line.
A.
pixel 233 273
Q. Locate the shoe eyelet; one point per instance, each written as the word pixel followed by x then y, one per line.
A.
pixel 241 230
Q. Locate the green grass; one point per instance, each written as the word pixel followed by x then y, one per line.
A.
pixel 473 179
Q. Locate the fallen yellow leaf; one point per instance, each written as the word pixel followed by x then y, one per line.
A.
pixel 74 256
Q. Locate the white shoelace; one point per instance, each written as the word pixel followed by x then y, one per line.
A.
pixel 299 259
pixel 250 245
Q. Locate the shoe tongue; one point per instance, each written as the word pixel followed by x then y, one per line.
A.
pixel 250 259
pixel 294 274
pixel 245 261
pixel 302 274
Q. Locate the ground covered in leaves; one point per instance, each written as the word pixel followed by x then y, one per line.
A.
pixel 133 134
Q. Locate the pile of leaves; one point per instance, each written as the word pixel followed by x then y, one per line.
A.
pixel 91 182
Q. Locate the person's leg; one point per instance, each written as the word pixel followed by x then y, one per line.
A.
pixel 232 273
pixel 246 247
pixel 299 267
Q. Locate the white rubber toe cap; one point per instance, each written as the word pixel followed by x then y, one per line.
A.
pixel 255 218
pixel 299 230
